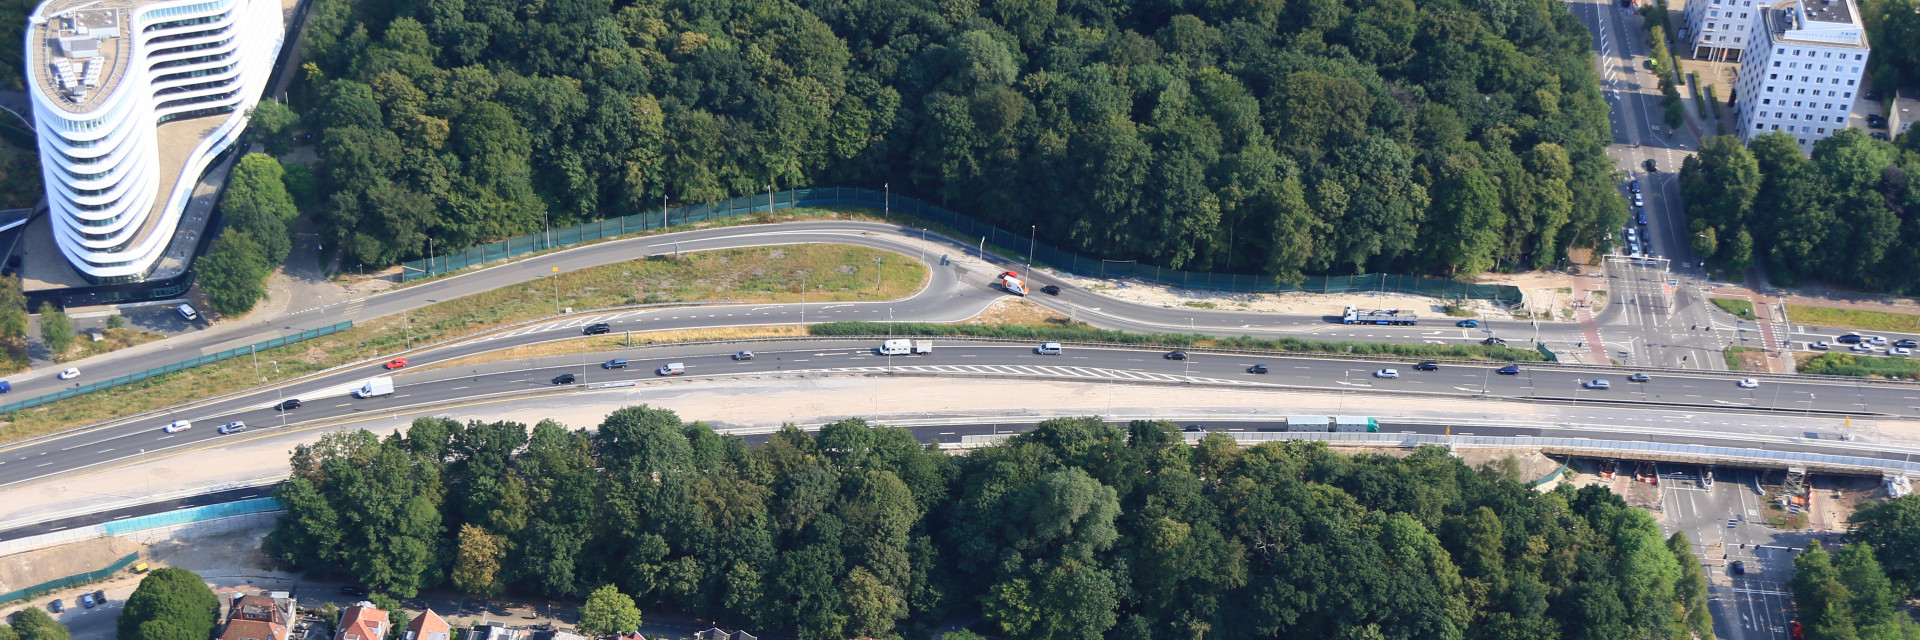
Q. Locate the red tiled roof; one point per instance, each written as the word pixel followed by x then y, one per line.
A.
pixel 362 622
pixel 429 626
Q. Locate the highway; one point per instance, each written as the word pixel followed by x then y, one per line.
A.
pixel 61 524
pixel 1701 402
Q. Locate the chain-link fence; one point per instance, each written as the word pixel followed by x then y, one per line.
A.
pixel 1008 242
pixel 281 341
pixel 72 580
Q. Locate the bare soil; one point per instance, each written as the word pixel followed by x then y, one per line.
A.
pixel 1541 290
pixel 23 570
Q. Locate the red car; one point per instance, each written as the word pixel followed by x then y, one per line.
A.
pixel 396 363
pixel 1794 632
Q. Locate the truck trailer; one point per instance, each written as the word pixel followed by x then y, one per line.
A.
pixel 374 387
pixel 1355 424
pixel 1356 315
pixel 1309 423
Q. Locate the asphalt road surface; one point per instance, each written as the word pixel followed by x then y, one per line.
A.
pixel 217 497
pixel 1706 402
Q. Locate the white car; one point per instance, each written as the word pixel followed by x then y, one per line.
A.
pixel 1899 351
pixel 178 426
pixel 1820 346
pixel 1749 383
pixel 1862 348
pixel 70 373
pixel 1387 373
pixel 1879 340
pixel 1597 384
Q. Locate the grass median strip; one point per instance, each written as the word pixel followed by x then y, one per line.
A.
pixel 1853 318
pixel 1082 333
pixel 832 273
pixel 1739 308
pixel 1847 364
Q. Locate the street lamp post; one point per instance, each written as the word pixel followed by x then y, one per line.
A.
pixel 886 202
pixel 556 290
pixel 1032 233
pixel 878 265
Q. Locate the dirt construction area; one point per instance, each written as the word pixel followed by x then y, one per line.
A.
pixel 24 570
pixel 1541 290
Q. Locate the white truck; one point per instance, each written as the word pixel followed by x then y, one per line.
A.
pixel 1011 283
pixel 374 387
pixel 905 347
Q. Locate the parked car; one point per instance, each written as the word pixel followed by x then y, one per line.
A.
pixel 1640 217
pixel 233 427
pixel 616 363
pixel 1387 373
pixel 70 373
pixel 86 600
pixel 56 606
pixel 743 356
pixel 565 378
pixel 1052 290
pixel 1429 365
pixel 177 426
pixel 352 591
pixel 290 404
pixel 1739 567
pixel 1597 384
pixel 1470 324
pixel 1639 377
pixel 1176 355
pixel 1876 122
pixel 1749 383
pixel 100 597
pixel 597 329
pixel 1258 368
pixel 1635 184
pixel 396 363
pixel 1509 370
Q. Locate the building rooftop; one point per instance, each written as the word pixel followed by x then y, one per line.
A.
pixel 1829 11
pixel 1824 23
pixel 78 49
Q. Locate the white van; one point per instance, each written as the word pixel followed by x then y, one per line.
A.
pixel 895 348
pixel 186 311
pixel 1048 349
pixel 672 369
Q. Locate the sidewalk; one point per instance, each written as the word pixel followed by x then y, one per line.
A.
pixel 1584 286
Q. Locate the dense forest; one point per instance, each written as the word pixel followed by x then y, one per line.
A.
pixel 1849 216
pixel 1075 530
pixel 1254 136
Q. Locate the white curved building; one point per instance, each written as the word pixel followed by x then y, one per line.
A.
pixel 133 100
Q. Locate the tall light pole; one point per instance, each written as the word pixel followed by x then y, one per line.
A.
pixel 877 266
pixel 663 211
pixel 769 199
pixel 556 290
pixel 1032 230
pixel 886 202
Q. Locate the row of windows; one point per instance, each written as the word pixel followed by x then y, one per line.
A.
pixel 1803 129
pixel 191 47
pixel 189 34
pixel 192 87
pixel 1842 106
pixel 1809 67
pixel 161 14
pixel 192 74
pixel 197 99
pixel 1737 27
pixel 194 114
pixel 193 60
pixel 1796 116
pixel 1716 14
pixel 1857 57
pixel 1803 90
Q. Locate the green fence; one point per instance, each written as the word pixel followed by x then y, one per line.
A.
pixel 72 580
pixel 183 365
pixel 1009 241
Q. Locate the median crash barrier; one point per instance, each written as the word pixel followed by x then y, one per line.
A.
pixel 69 581
pixel 183 365
pixel 989 234
pixel 147 529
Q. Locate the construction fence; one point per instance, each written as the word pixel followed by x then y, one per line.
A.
pixel 72 580
pixel 1007 242
pixel 236 352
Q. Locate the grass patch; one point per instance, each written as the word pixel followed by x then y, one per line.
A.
pixel 1083 333
pixel 761 274
pixel 1199 305
pixel 1458 311
pixel 1846 364
pixel 1564 289
pixel 111 340
pixel 1854 318
pixel 1733 357
pixel 1740 308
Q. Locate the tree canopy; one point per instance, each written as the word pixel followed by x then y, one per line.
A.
pixel 1322 136
pixel 169 604
pixel 1077 529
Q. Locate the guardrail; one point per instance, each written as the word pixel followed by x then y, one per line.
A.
pixel 183 365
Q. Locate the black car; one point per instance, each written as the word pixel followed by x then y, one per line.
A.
pixel 100 597
pixel 565 378
pixel 616 363
pixel 1739 567
pixel 1427 366
pixel 1258 368
pixel 1906 344
pixel 1176 355
pixel 598 329
pixel 1509 370
pixel 352 591
pixel 290 404
pixel 1050 290
pixel 1851 338
pixel 1876 122
pixel 1194 428
pixel 1650 166
pixel 1494 341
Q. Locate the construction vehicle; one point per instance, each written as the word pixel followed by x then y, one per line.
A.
pixel 1011 282
pixel 1356 315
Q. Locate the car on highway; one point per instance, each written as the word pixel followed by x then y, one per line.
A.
pixel 233 427
pixel 1597 384
pixel 5 386
pixel 1899 351
pixel 565 378
pixel 1862 348
pixel 290 404
pixel 1052 290
pixel 1851 338
pixel 56 606
pixel 616 363
pixel 598 328
pixel 743 356
pixel 1819 345
pixel 1258 368
pixel 1048 349
pixel 1739 567
pixel 1470 324
pixel 1877 340
pixel 671 369
pixel 1650 166
pixel 1194 428
pixel 1906 343
pixel 1749 383
pixel 70 373
pixel 1639 377
pixel 177 426
pixel 1430 365
pixel 1387 373
pixel 396 363
pixel 1492 341
pixel 1175 355
pixel 1509 370
pixel 86 600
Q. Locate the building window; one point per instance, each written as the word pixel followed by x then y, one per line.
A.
pixel 1849 83
pixel 1763 114
pixel 1773 76
pixel 1766 101
pixel 1848 94
pixel 1776 127
pixel 1757 126
pixel 1776 63
pixel 1858 57
pixel 1736 39
pixel 1822 130
pixel 1803 92
pixel 1796 52
pixel 1796 103
pixel 1709 25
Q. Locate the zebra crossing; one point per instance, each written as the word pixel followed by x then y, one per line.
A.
pixel 1044 371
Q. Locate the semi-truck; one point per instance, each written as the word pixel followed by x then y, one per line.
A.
pixel 1011 282
pixel 1343 424
pixel 374 387
pixel 905 347
pixel 1356 315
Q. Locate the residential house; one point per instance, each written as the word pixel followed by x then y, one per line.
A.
pixel 266 616
pixel 362 621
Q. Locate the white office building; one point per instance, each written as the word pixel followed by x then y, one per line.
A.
pixel 133 100
pixel 1801 70
pixel 1720 29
